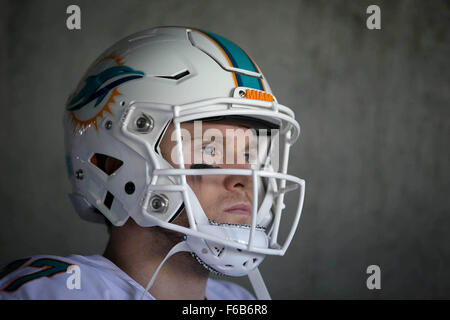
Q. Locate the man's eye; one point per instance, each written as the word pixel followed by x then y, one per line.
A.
pixel 209 150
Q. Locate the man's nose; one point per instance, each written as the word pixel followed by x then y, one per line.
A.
pixel 238 182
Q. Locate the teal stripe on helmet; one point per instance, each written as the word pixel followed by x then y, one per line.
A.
pixel 239 59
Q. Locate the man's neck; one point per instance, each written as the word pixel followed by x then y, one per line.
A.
pixel 139 251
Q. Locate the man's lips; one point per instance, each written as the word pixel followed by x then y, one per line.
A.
pixel 243 209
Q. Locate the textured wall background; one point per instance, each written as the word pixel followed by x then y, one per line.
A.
pixel 373 105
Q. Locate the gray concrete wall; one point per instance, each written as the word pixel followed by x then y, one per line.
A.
pixel 374 110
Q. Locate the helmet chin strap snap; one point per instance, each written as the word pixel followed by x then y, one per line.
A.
pixel 254 275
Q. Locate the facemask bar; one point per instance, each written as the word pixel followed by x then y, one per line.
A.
pixel 255 175
pixel 233 106
pixel 239 106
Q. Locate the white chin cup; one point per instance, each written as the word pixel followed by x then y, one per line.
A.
pixel 224 259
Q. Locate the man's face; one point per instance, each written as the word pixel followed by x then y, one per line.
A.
pixel 224 198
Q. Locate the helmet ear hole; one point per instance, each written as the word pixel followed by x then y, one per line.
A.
pixel 106 163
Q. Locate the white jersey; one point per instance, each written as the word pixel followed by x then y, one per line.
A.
pixel 76 277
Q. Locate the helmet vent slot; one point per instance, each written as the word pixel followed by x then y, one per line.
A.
pixel 177 76
pixel 107 164
pixel 108 200
pixel 218 251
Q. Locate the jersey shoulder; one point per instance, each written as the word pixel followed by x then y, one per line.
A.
pixel 226 290
pixel 46 277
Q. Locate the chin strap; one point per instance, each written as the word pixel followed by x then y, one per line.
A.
pixel 181 246
pixel 254 276
pixel 258 285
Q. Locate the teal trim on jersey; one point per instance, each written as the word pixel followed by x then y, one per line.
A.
pixel 239 59
pixel 13 266
pixel 49 266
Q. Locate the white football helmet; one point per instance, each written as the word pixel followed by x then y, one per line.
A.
pixel 122 108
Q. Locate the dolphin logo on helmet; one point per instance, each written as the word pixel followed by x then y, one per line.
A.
pixel 91 89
